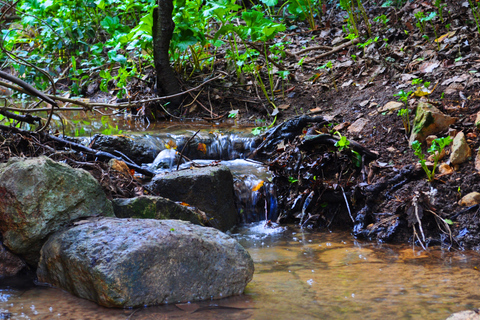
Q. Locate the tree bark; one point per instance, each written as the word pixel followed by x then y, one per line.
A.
pixel 163 26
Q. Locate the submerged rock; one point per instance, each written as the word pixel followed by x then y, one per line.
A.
pixel 39 196
pixel 429 120
pixel 150 207
pixel 135 262
pixel 209 188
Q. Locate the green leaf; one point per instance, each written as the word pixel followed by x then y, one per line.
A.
pixel 270 3
pixel 448 221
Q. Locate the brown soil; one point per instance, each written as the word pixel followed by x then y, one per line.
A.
pixel 358 89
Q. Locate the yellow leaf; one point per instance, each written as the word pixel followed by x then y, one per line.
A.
pixel 202 147
pixel 422 91
pixel 258 186
pixel 171 144
pixel 446 35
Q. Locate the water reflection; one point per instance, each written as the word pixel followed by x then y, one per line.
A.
pixel 302 275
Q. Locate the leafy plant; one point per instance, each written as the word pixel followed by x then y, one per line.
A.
pixel 305 9
pixel 329 67
pixel 439 5
pixel 476 13
pixel 404 113
pixel 383 19
pixel 436 149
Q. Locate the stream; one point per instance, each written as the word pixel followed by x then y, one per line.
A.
pixel 299 274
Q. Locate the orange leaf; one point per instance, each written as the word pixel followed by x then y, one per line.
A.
pixel 258 186
pixel 202 147
pixel 185 204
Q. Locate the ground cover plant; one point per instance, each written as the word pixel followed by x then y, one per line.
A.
pixel 262 63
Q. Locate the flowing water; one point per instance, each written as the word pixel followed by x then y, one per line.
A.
pixel 300 274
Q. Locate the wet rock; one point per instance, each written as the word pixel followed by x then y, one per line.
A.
pixel 150 207
pixel 165 159
pixel 38 197
pixel 138 149
pixel 429 120
pixel 138 262
pixel 460 149
pixel 210 189
pixel 390 107
pixel 465 315
pixel 470 199
pixel 10 264
pixel 357 127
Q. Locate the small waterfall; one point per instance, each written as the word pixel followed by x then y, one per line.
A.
pixel 255 199
pixel 255 195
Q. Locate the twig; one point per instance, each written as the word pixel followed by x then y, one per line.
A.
pixel 312 48
pixel 446 224
pixel 184 146
pixel 348 206
pixel 335 49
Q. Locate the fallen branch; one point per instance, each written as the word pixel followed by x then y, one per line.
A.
pixel 335 49
pixel 311 49
pixel 27 88
pixel 89 106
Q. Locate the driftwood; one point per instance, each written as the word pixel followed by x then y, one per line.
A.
pixel 287 131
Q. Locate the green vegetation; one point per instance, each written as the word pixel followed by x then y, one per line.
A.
pixel 436 149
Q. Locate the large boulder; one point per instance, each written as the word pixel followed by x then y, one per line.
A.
pixel 209 188
pixel 137 262
pixel 39 196
pixel 429 120
pixel 151 207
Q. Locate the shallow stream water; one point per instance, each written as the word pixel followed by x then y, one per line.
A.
pixel 300 274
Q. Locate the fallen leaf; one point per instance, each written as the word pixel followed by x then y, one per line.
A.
pixel 171 144
pixel 315 110
pixel 258 186
pixel 202 147
pixel 428 67
pixel 283 106
pixel 446 35
pixel 184 204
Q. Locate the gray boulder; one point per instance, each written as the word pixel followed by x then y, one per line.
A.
pixel 150 207
pixel 39 196
pixel 209 188
pixel 137 262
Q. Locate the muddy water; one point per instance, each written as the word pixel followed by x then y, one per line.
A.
pixel 302 275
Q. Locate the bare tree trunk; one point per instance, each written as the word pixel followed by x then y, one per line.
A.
pixel 163 26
